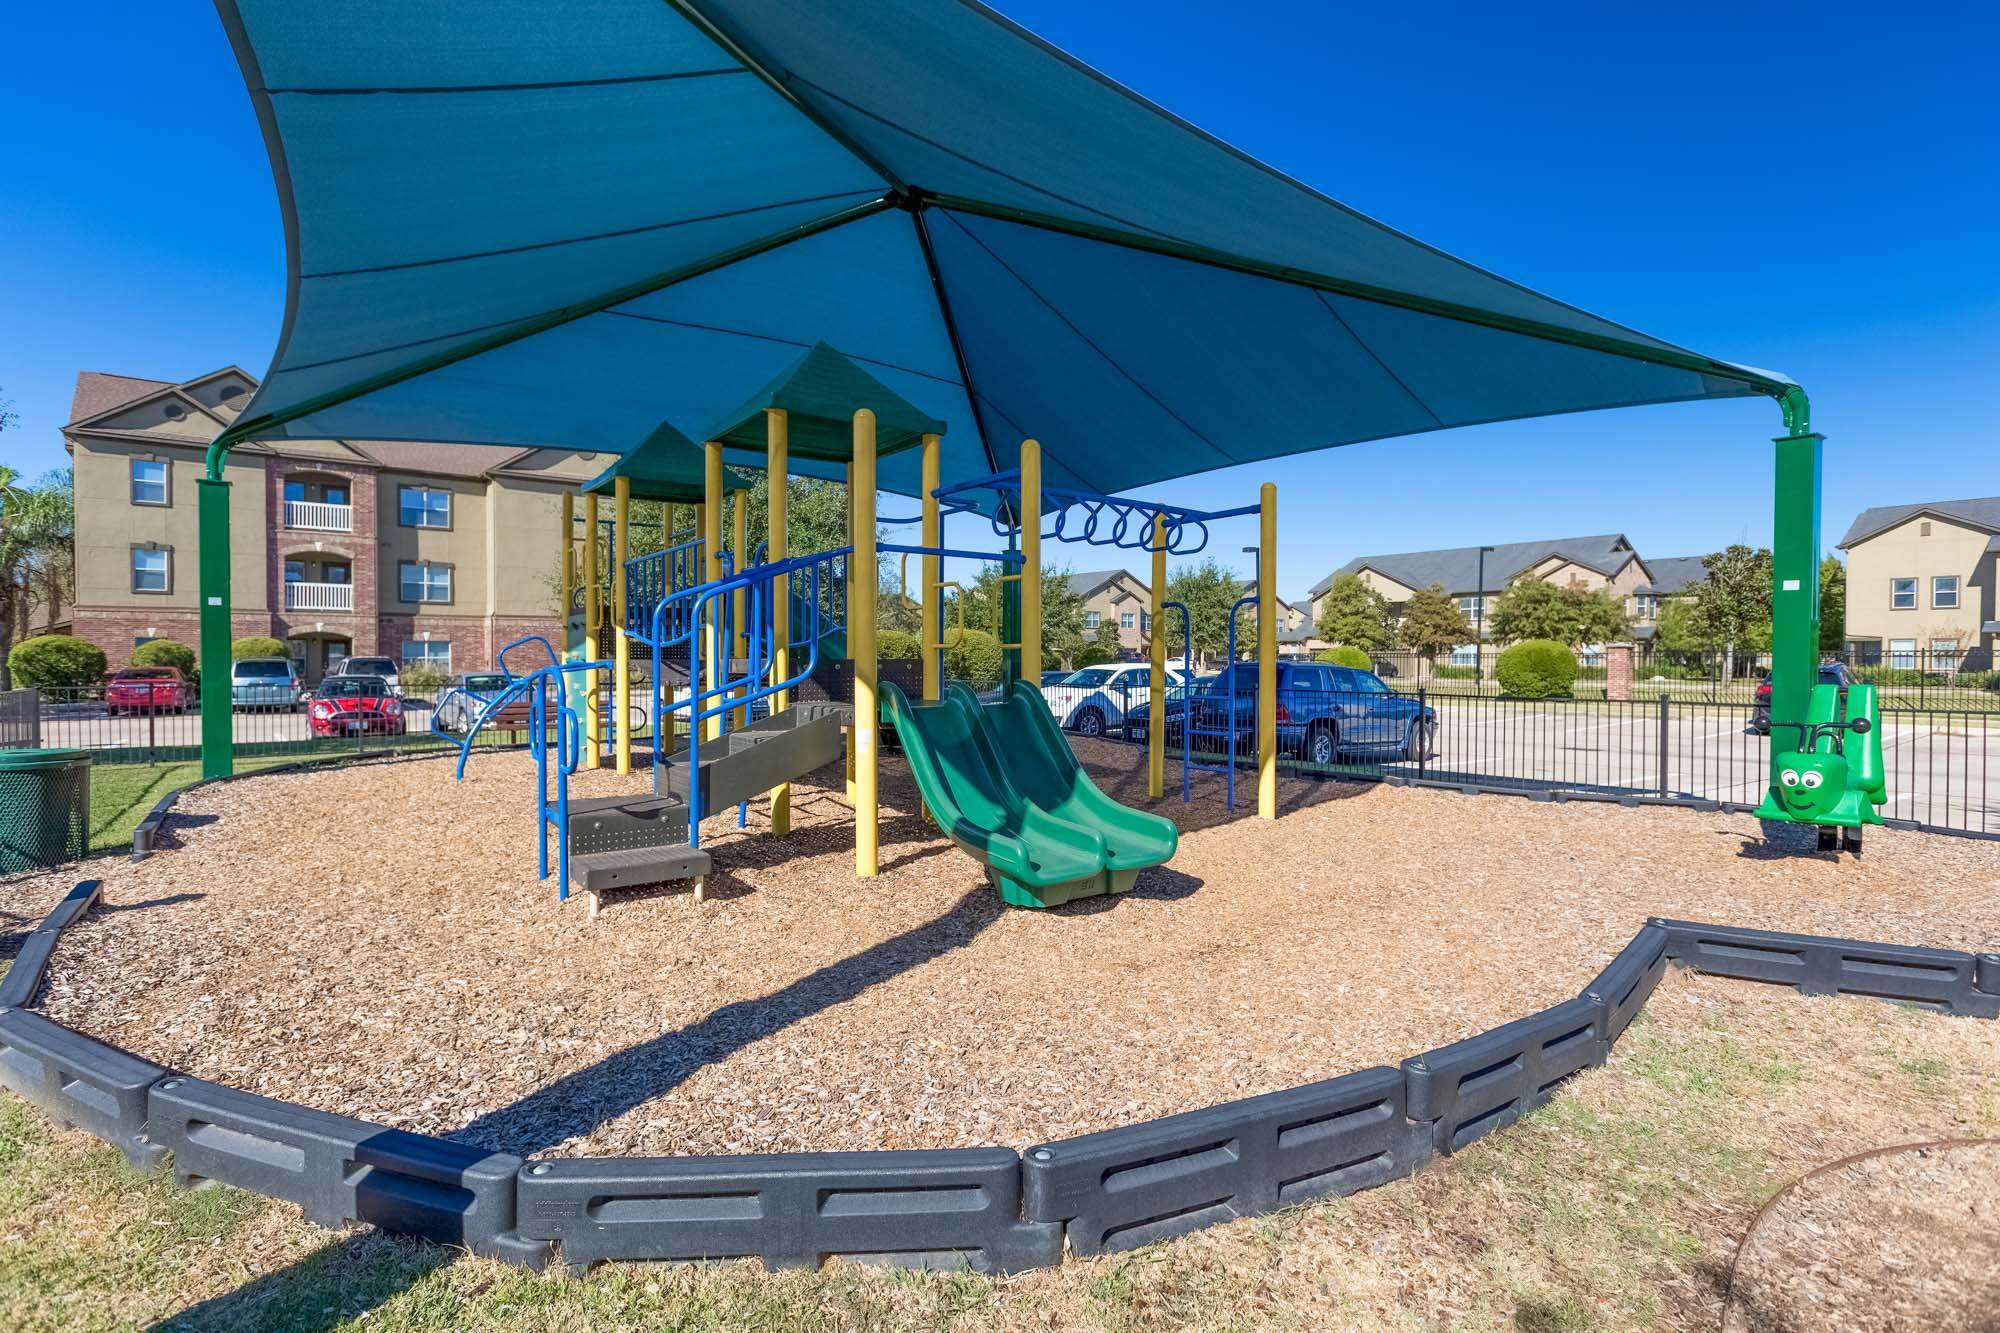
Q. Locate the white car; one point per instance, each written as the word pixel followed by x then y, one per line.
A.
pixel 384 667
pixel 1098 699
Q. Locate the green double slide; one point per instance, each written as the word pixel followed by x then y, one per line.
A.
pixel 1004 785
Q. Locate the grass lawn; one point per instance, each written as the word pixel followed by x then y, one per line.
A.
pixel 1617 1207
pixel 123 794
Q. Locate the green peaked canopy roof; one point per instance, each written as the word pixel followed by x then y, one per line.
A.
pixel 820 393
pixel 667 466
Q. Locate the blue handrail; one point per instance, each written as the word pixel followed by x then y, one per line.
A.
pixel 651 578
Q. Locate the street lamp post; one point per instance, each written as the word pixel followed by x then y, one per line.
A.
pixel 1479 623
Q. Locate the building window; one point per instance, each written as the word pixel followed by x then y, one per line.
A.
pixel 427 652
pixel 1944 654
pixel 1903 594
pixel 1944 592
pixel 1125 620
pixel 152 569
pixel 149 481
pixel 1465 655
pixel 1472 606
pixel 422 507
pixel 1903 653
pixel 423 582
pixel 1091 620
pixel 1646 605
pixel 1145 622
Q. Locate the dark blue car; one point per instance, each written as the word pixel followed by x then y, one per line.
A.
pixel 1323 712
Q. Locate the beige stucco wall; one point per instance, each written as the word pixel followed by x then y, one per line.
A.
pixel 524 535
pixel 463 545
pixel 1124 595
pixel 108 525
pixel 1904 552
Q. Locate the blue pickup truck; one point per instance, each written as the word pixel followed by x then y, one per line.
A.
pixel 1323 712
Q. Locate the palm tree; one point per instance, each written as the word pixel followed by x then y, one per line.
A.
pixel 36 527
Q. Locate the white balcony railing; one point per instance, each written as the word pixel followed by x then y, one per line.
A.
pixel 312 516
pixel 319 597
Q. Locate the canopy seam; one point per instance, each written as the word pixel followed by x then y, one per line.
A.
pixel 1362 343
pixel 543 86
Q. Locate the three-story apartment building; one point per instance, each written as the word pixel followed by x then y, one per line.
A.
pixel 434 553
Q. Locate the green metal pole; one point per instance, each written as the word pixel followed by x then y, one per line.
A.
pixel 1794 572
pixel 218 758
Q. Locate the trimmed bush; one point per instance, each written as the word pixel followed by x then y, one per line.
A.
pixel 1536 669
pixel 55 661
pixel 1093 654
pixel 898 644
pixel 256 645
pixel 1345 656
pixel 167 653
pixel 1455 673
pixel 426 678
pixel 974 660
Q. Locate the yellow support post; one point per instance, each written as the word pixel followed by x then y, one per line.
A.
pixel 711 535
pixel 621 688
pixel 1031 561
pixel 1267 651
pixel 861 589
pixel 1156 650
pixel 566 575
pixel 739 600
pixel 777 463
pixel 593 723
pixel 933 572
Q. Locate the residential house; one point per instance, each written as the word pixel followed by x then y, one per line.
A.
pixel 1672 576
pixel 1920 584
pixel 1296 636
pixel 433 553
pixel 1117 605
pixel 1605 562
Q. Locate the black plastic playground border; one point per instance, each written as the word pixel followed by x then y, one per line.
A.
pixel 988 1209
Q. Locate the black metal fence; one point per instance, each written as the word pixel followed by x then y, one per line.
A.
pixel 1902 681
pixel 20 720
pixel 1942 765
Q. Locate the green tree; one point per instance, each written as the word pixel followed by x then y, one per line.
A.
pixel 255 645
pixel 56 661
pixel 1355 614
pixel 1062 609
pixel 1532 608
pixel 1208 590
pixel 1832 605
pixel 1676 631
pixel 1433 623
pixel 1732 606
pixel 37 535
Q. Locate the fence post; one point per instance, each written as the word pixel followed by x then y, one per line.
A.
pixel 1423 748
pixel 152 731
pixel 1666 703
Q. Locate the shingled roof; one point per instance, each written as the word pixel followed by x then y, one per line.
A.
pixel 1457 568
pixel 1675 574
pixel 1980 513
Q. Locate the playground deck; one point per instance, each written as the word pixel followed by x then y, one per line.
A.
pixel 357 946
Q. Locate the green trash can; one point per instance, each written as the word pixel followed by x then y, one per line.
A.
pixel 44 808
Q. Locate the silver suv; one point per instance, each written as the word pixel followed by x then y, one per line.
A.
pixel 265 682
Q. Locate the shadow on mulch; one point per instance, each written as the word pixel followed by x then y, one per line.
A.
pixel 171 900
pixel 1784 841
pixel 578 1103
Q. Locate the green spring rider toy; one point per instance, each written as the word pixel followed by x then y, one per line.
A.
pixel 1839 787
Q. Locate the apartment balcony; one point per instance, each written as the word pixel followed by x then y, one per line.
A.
pixel 319 596
pixel 314 516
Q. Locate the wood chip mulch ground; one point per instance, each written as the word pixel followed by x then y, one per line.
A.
pixel 375 942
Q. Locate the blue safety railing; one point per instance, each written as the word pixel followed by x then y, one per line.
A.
pixel 1188 765
pixel 813 583
pixel 651 579
pixel 1231 729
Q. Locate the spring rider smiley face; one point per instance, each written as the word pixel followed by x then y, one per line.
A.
pixel 1810 786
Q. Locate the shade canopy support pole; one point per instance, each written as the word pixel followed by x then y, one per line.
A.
pixel 1156 653
pixel 932 567
pixel 777 463
pixel 1795 609
pixel 862 584
pixel 593 612
pixel 218 753
pixel 1031 562
pixel 621 688
pixel 713 647
pixel 1267 651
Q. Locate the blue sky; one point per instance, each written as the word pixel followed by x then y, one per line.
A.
pixel 1807 188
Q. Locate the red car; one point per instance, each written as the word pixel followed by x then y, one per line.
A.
pixel 147 690
pixel 351 705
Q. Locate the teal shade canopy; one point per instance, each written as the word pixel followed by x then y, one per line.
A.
pixel 516 222
pixel 820 393
pixel 667 466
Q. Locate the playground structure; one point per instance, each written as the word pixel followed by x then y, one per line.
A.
pixel 752 627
